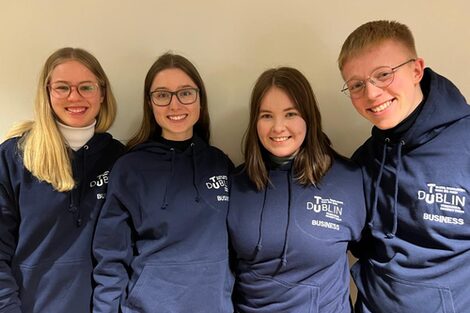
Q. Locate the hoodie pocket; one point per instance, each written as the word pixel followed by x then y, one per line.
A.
pixel 190 287
pixel 265 294
pixel 382 292
pixel 55 287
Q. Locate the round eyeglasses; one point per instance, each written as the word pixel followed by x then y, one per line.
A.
pixel 62 90
pixel 163 98
pixel 381 77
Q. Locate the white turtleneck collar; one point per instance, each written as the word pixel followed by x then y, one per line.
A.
pixel 76 137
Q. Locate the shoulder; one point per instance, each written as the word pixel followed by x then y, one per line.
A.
pixel 364 153
pixel 104 147
pixel 10 144
pixel 106 140
pixel 344 174
pixel 215 154
pixel 239 177
pixel 11 162
pixel 346 168
pixel 10 149
pixel 344 162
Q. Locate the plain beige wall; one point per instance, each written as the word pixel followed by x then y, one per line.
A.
pixel 231 43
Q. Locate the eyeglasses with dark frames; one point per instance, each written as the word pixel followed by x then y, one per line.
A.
pixel 381 77
pixel 163 98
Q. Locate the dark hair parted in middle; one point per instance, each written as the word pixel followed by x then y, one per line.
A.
pixel 315 156
pixel 149 126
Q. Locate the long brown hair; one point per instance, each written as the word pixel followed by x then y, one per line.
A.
pixel 149 126
pixel 315 155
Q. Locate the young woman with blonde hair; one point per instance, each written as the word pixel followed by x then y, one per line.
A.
pixel 53 175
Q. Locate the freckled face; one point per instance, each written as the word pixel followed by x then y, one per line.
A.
pixel 281 129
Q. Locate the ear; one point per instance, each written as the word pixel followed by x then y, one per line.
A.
pixel 418 70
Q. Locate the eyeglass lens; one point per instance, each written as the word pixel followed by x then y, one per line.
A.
pixel 184 96
pixel 63 90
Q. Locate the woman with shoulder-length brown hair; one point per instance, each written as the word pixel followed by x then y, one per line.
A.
pixel 53 178
pixel 294 205
pixel 161 241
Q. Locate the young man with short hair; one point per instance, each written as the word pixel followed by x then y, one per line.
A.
pixel 415 252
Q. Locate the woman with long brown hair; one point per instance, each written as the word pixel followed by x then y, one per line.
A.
pixel 294 205
pixel 161 241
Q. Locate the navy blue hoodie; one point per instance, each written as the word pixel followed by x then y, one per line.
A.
pixel 161 241
pixel 415 255
pixel 45 235
pixel 291 241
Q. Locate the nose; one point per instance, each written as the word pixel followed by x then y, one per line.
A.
pixel 278 125
pixel 174 102
pixel 371 90
pixel 74 94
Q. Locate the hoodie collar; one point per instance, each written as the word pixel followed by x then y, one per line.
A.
pixel 167 150
pixel 443 105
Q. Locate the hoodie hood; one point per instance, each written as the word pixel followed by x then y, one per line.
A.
pixel 443 105
pixel 434 116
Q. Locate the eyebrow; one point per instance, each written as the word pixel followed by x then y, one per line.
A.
pixel 285 110
pixel 70 83
pixel 178 88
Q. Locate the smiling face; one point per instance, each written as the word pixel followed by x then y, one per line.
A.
pixel 281 129
pixel 386 107
pixel 176 119
pixel 75 110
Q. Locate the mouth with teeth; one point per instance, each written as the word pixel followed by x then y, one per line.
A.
pixel 177 117
pixel 280 139
pixel 76 110
pixel 381 107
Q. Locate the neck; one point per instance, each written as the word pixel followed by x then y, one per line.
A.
pixel 279 161
pixel 76 137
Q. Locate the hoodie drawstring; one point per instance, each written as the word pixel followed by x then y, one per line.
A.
pixel 172 169
pixel 79 215
pixel 286 233
pixel 391 234
pixel 395 196
pixel 74 206
pixel 259 244
pixel 377 183
pixel 193 156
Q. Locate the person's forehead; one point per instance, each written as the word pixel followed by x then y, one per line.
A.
pixel 374 55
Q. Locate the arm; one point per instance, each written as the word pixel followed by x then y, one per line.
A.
pixel 9 224
pixel 112 249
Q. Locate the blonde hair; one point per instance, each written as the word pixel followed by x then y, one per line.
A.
pixel 43 148
pixel 373 33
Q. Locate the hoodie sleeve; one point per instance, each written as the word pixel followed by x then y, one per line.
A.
pixel 112 247
pixel 9 223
